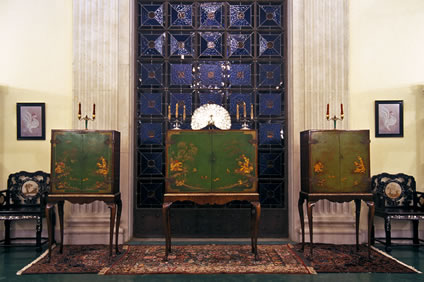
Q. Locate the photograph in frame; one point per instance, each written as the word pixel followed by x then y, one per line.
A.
pixel 389 118
pixel 31 121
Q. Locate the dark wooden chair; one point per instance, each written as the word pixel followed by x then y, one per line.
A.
pixel 25 198
pixel 396 197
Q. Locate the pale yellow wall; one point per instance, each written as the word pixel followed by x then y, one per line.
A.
pixel 387 63
pixel 35 66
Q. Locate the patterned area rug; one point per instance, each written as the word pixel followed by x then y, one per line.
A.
pixel 75 259
pixel 328 258
pixel 216 259
pixel 190 259
pixel 209 259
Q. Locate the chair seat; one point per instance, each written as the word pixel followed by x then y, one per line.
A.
pixel 399 212
pixel 22 210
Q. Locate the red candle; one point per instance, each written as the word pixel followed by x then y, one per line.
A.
pixel 328 109
pixel 341 109
pixel 94 109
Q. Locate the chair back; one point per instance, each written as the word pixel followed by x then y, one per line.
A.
pixel 393 190
pixel 27 188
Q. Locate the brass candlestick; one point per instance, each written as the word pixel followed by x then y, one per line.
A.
pixel 178 120
pixel 86 118
pixel 245 120
pixel 335 118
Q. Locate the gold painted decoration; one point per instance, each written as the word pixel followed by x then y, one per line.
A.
pixel 360 167
pixel 176 165
pixel 102 168
pixel 245 166
pixel 60 167
pixel 318 167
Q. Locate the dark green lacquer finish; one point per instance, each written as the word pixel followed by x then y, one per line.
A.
pixel 335 161
pixel 85 161
pixel 211 161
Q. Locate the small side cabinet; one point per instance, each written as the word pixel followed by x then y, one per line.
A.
pixel 335 161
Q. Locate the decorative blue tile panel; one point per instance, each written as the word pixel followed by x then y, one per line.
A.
pixel 211 15
pixel 152 44
pixel 181 44
pixel 270 164
pixel 150 193
pixel 269 45
pixel 181 15
pixel 182 99
pixel 213 98
pixel 210 44
pixel 191 53
pixel 210 75
pixel 269 104
pixel 151 104
pixel 239 44
pixel 269 15
pixel 151 74
pixel 240 74
pixel 181 74
pixel 271 194
pixel 239 98
pixel 151 15
pixel 269 74
pixel 269 134
pixel 241 15
pixel 151 163
pixel 151 133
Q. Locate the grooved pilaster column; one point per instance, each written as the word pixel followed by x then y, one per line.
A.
pixel 95 80
pixel 318 75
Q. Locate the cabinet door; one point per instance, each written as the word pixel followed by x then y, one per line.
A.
pixel 189 161
pixel 96 163
pixel 355 162
pixel 325 159
pixel 233 161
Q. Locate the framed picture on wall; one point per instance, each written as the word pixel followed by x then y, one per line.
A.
pixel 31 121
pixel 389 118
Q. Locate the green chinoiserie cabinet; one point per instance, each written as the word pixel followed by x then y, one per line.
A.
pixel 211 161
pixel 335 161
pixel 85 161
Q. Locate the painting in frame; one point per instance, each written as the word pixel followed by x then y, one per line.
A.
pixel 31 121
pixel 389 118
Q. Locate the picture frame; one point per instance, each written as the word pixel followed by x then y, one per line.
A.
pixel 31 121
pixel 389 118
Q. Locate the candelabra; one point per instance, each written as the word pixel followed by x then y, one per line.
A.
pixel 244 120
pixel 335 118
pixel 178 120
pixel 86 118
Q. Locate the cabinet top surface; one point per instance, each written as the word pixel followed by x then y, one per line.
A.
pixel 333 130
pixel 82 131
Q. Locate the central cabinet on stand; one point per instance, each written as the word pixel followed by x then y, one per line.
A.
pixel 211 167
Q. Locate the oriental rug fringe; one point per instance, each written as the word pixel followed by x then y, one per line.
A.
pixel 329 258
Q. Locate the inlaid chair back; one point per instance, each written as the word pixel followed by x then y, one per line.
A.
pixel 394 191
pixel 26 188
